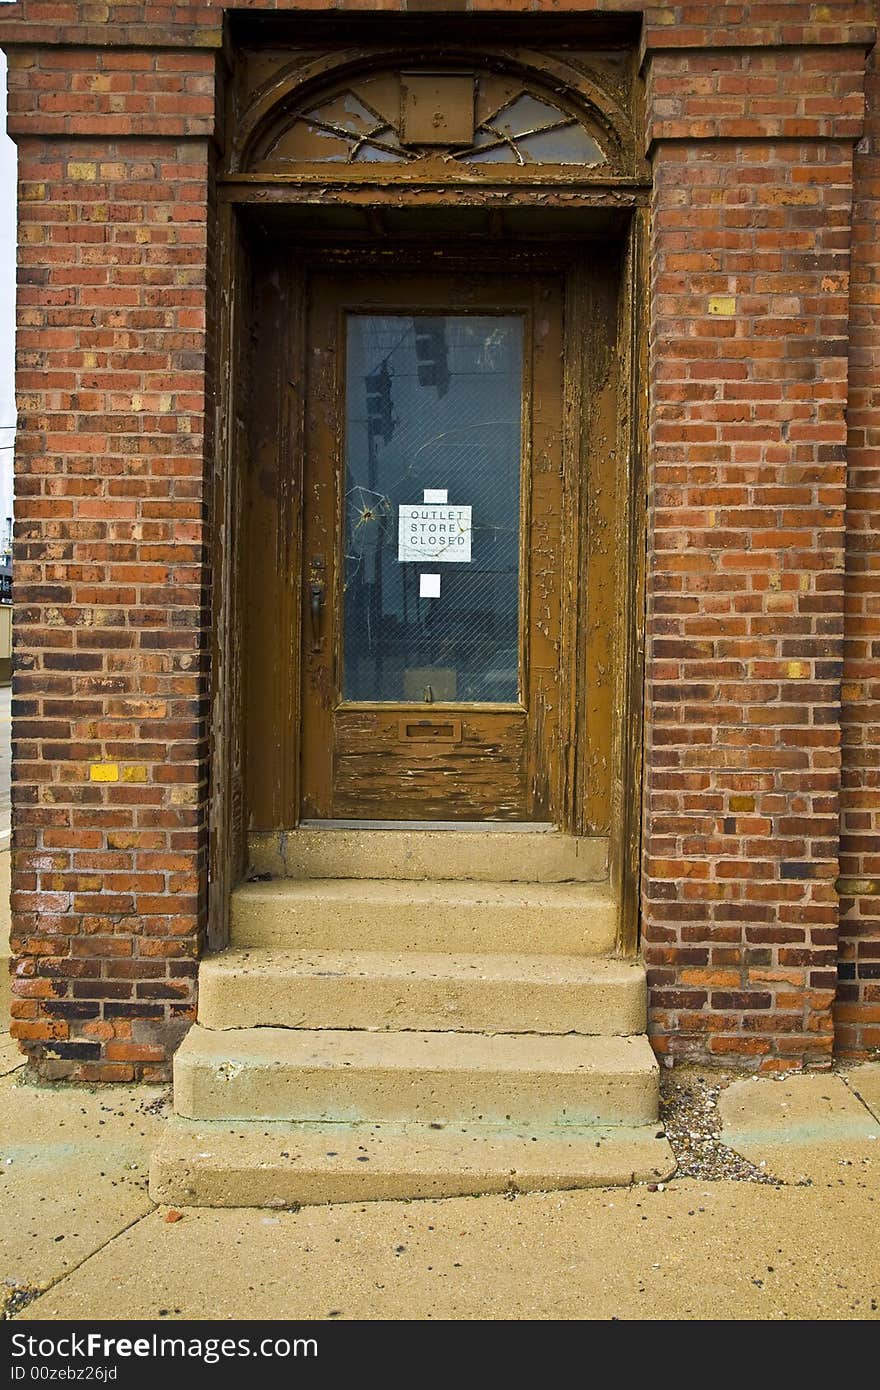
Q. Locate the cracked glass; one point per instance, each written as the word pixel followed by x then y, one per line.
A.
pixel 431 520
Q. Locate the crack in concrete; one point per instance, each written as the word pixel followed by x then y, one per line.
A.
pixel 42 1289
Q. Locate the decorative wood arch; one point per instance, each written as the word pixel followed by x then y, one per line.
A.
pixel 583 131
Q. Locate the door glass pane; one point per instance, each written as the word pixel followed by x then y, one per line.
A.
pixel 432 508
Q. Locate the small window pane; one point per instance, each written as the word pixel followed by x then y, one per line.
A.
pixel 304 141
pixel 526 113
pixel 567 145
pixel 347 113
pixel 375 155
pixel 499 154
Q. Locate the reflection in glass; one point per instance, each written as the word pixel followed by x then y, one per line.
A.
pixel 433 405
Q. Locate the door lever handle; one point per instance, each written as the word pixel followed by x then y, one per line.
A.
pixel 316 609
pixel 317 591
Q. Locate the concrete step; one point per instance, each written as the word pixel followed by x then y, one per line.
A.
pixel 414 1077
pixel 258 1165
pixel 386 915
pixel 254 988
pixel 493 852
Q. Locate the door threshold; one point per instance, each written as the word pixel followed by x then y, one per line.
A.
pixel 472 826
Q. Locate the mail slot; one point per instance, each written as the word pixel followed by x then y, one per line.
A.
pixel 434 731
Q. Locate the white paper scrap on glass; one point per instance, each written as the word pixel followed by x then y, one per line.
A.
pixel 434 532
pixel 435 494
pixel 429 586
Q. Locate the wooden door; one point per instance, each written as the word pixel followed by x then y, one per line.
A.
pixel 432 555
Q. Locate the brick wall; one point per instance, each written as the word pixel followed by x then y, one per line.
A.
pixel 750 262
pixel 857 1012
pixel 110 733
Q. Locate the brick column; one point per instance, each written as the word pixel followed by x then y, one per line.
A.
pixel 752 156
pixel 110 752
pixel 857 1013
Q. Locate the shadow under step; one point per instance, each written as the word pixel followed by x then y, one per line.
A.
pixel 255 1165
pixel 423 991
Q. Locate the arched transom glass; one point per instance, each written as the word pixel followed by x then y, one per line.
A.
pixel 395 118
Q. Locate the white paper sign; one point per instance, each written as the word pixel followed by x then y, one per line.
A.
pixel 435 494
pixel 435 533
pixel 429 586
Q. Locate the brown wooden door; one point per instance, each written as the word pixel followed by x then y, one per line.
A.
pixel 432 557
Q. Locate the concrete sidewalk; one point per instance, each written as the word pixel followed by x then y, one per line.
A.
pixel 800 1238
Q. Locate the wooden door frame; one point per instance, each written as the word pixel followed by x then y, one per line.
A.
pixel 604 430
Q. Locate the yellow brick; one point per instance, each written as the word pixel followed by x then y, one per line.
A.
pixel 104 772
pixel 184 796
pixel 742 803
pixel 80 170
pixel 797 670
pixel 722 304
pixel 134 774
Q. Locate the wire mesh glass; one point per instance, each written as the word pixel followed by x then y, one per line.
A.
pixel 432 508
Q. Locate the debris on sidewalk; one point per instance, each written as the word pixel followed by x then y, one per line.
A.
pixel 689 1114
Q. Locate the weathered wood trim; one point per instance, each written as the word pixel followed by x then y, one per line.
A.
pixel 595 519
pixel 626 831
pixel 274 524
pixel 356 177
pixel 226 829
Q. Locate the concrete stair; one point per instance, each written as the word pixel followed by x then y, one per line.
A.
pixel 389 915
pixel 502 853
pixel 218 1165
pixel 356 1076
pixel 411 1036
pixel 425 991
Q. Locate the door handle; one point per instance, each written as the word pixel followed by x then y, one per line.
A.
pixel 317 594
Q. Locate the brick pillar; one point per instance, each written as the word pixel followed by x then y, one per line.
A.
pixel 857 1013
pixel 110 752
pixel 752 155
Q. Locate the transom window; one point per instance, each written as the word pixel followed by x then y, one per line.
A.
pixel 401 118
